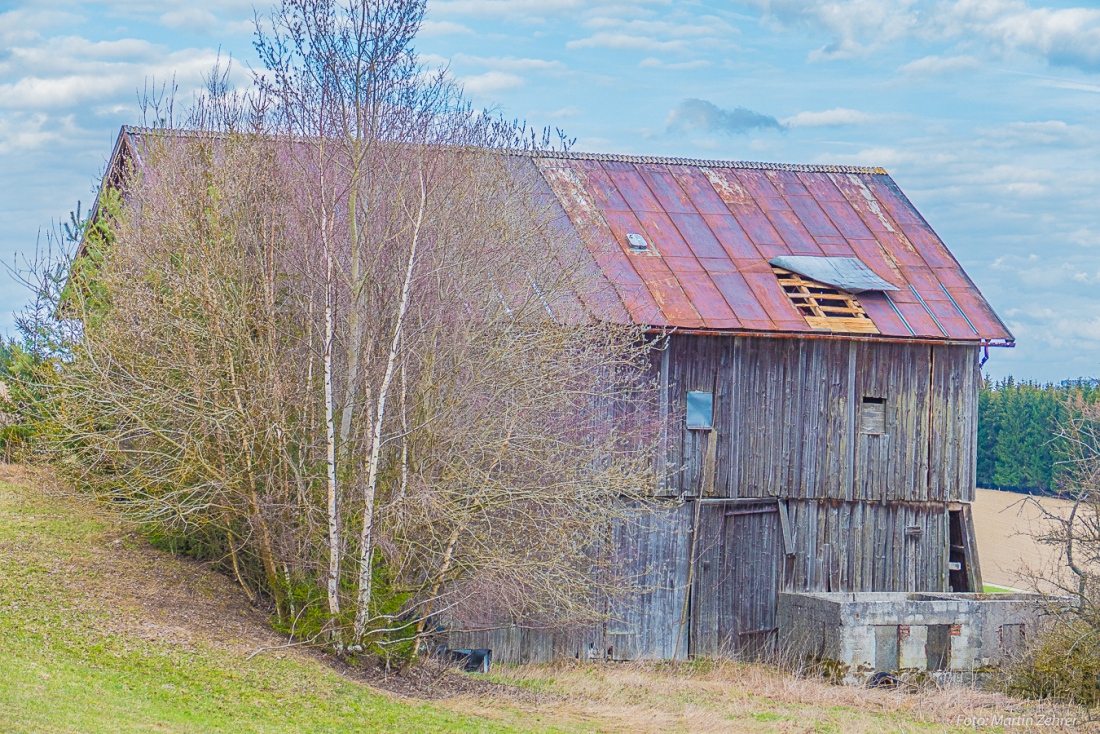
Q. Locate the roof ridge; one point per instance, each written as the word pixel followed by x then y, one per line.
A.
pixel 710 163
pixel 613 157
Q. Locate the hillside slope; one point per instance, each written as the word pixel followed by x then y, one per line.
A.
pixel 101 633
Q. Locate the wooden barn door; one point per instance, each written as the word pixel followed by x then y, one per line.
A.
pixel 737 568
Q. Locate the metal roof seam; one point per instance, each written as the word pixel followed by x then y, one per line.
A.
pixel 661 303
pixel 694 255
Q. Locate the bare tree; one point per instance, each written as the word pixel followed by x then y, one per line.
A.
pixel 342 301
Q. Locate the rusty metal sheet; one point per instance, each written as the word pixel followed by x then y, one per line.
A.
pixel 698 188
pixel 756 182
pixel 573 189
pixel 664 187
pixel 599 186
pixel 737 245
pixel 698 236
pixel 740 297
pixel 916 314
pixel 708 300
pixel 812 217
pixel 714 226
pixel 632 187
pixel 846 220
pixel 773 300
pixel 820 186
pixel 795 237
pixel 666 290
pixel 874 257
pixel 895 202
pixel 985 320
pixel 930 247
pixel 787 183
pixel 878 307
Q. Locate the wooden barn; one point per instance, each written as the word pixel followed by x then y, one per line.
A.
pixel 824 347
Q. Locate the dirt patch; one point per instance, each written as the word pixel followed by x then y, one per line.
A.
pixel 433 680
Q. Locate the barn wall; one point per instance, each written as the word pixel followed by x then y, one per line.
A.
pixel 865 546
pixel 788 411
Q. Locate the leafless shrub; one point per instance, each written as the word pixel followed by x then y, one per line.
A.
pixel 333 337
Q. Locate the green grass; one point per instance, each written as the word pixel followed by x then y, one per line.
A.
pixel 62 671
pixel 991 589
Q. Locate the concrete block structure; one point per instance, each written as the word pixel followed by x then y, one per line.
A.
pixel 948 636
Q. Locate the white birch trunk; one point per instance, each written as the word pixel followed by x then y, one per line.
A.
pixel 366 544
pixel 330 428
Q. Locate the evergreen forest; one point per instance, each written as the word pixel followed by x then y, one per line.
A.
pixel 1019 446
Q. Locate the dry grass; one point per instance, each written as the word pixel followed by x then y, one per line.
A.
pixel 143 605
pixel 708 696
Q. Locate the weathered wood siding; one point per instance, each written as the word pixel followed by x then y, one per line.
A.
pixel 865 496
pixel 649 553
pixel 652 553
pixel 739 553
pixel 787 418
pixel 866 546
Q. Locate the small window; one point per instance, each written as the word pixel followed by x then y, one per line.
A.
pixel 823 306
pixel 700 410
pixel 872 416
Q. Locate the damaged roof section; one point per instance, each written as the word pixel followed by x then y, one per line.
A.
pixel 691 244
pixel 845 273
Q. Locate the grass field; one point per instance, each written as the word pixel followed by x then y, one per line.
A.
pixel 101 633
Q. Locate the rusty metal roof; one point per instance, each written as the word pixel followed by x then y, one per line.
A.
pixel 710 229
pixel 713 227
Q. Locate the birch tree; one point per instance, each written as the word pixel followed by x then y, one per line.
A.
pixel 340 345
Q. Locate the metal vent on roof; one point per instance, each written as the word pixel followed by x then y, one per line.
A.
pixel 845 273
pixel 637 242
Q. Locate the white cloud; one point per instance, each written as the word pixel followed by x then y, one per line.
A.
pixel 190 19
pixel 1062 36
pixel 655 63
pixel 527 9
pixel 627 41
pixel 566 112
pixel 430 28
pixel 511 63
pixel 939 65
pixel 836 117
pixel 490 81
pixel 1030 134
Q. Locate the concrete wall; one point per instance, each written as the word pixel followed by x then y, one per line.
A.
pixel 906 632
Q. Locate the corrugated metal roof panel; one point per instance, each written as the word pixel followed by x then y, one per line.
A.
pixel 715 225
pixel 846 273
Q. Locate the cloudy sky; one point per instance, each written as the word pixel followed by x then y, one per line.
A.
pixel 986 112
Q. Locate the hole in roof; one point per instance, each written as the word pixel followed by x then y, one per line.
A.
pixel 823 306
pixel 637 242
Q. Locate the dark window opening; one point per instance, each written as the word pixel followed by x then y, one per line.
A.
pixel 700 410
pixel 957 575
pixel 938 647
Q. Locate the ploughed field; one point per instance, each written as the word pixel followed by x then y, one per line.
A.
pixel 99 632
pixel 1006 524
